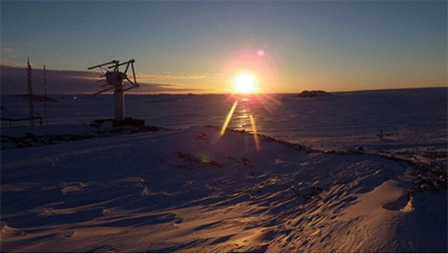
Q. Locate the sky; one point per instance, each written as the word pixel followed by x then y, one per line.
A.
pixel 200 46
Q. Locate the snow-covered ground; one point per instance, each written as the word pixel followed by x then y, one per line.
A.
pixel 316 178
pixel 342 120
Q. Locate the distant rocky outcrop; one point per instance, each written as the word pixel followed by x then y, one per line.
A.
pixel 314 93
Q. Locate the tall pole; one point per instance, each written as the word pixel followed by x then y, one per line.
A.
pixel 45 95
pixel 119 101
pixel 30 92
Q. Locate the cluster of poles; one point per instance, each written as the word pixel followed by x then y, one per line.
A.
pixel 32 112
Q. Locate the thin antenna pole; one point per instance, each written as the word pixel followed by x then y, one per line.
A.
pixel 45 95
pixel 30 92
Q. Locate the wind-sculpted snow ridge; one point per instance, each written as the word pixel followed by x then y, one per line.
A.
pixel 194 190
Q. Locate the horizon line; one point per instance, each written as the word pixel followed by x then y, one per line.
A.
pixel 230 93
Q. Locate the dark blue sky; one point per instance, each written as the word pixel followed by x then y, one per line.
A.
pixel 331 45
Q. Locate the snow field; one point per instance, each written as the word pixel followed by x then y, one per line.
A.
pixel 321 181
pixel 194 191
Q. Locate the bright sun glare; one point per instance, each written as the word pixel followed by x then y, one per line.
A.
pixel 245 83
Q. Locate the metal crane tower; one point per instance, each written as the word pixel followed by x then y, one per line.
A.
pixel 114 80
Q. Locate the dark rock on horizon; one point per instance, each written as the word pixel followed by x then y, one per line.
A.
pixel 314 93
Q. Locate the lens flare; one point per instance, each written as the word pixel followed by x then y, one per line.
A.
pixel 229 117
pixel 251 119
pixel 254 130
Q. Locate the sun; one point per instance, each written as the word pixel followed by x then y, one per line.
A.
pixel 245 83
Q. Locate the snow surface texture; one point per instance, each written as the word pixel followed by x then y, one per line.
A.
pixel 193 190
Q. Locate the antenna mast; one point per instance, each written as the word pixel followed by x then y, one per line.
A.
pixel 45 95
pixel 30 92
pixel 114 80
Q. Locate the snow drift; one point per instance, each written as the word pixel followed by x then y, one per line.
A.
pixel 193 190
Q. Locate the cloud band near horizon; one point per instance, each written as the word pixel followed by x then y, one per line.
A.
pixel 13 81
